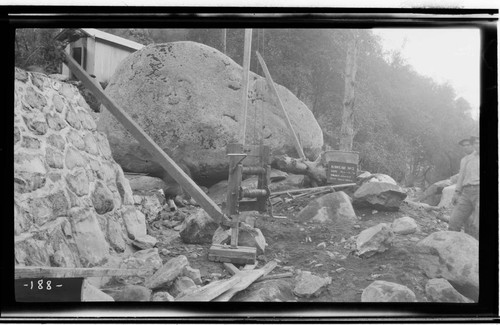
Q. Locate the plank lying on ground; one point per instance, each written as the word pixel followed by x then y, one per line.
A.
pixel 275 276
pixel 231 268
pixel 247 278
pixel 313 189
pixel 210 291
pixel 66 272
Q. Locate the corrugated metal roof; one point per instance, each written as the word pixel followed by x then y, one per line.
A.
pixel 112 38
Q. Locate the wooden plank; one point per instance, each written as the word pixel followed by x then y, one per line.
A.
pixel 210 291
pixel 231 268
pixel 147 143
pixel 270 82
pixel 66 272
pixel 246 68
pixel 246 279
pixel 240 255
pixel 275 276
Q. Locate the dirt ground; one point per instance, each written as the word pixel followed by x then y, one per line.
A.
pixel 323 250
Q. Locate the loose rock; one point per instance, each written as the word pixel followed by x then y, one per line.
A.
pixel 373 240
pixel 308 285
pixel 91 293
pixel 167 273
pixel 383 291
pixel 404 226
pixel 332 208
pixel 379 195
pixel 440 290
pixel 145 242
pixel 130 293
pixel 162 296
pixel 453 256
pixel 199 228
pixel 267 291
pixel 181 284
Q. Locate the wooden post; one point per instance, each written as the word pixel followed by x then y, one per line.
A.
pixel 147 143
pixel 264 179
pixel 246 68
pixel 287 119
pixel 235 151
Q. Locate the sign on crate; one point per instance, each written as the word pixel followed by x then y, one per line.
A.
pixel 342 166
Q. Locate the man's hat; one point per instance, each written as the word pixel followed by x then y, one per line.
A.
pixel 473 138
pixel 463 141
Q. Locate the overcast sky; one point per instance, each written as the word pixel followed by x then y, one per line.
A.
pixel 444 54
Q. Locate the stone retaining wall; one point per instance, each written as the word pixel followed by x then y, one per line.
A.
pixel 73 207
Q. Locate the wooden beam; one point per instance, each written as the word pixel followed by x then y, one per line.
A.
pixel 275 276
pixel 246 69
pixel 147 143
pixel 210 291
pixel 23 272
pixel 231 268
pixel 246 279
pixel 270 82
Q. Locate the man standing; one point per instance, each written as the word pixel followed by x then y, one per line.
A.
pixel 466 198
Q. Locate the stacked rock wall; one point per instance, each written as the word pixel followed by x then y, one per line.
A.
pixel 73 207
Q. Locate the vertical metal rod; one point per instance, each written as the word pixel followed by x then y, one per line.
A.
pixel 246 68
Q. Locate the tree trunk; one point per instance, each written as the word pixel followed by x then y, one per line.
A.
pixel 347 128
pixel 313 169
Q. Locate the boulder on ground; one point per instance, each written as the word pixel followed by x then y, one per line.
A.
pixel 192 109
pixel 375 239
pixel 193 274
pixel 330 208
pixel 379 195
pixel 148 259
pixel 367 177
pixel 145 242
pixel 166 275
pixel 198 228
pixel 404 226
pixel 309 285
pixel 383 291
pixel 453 256
pixel 267 291
pixel 247 236
pixel 91 293
pixel 440 290
pixel 180 285
pixel 162 296
pixel 130 293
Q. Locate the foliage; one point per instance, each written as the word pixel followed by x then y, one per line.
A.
pixel 36 47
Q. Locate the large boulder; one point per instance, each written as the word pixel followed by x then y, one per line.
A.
pixel 384 291
pixel 147 259
pixel 247 236
pixel 330 208
pixel 187 97
pixel 453 256
pixel 379 195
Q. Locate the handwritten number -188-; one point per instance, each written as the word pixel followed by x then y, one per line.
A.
pixel 40 285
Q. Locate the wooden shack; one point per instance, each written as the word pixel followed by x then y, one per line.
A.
pixel 98 52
